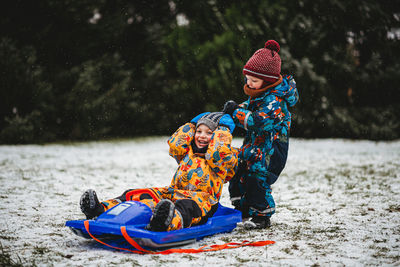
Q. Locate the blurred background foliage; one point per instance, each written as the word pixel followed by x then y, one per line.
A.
pixel 86 70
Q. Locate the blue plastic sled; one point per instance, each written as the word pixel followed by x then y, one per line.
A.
pixel 135 216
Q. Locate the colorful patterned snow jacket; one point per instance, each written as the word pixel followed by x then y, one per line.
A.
pixel 200 177
pixel 197 184
pixel 266 119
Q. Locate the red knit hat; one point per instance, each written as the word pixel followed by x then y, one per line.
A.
pixel 265 63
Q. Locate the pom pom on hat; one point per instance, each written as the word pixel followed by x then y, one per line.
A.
pixel 265 63
pixel 272 45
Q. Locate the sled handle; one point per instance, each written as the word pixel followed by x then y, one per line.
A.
pixel 136 193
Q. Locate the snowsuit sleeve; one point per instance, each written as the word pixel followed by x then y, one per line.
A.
pixel 179 142
pixel 272 109
pixel 263 119
pixel 220 155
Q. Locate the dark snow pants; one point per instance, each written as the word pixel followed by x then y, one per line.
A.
pixel 250 192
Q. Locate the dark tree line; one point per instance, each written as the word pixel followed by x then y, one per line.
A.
pixel 78 70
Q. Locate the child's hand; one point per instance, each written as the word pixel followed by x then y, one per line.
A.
pixel 230 107
pixel 227 121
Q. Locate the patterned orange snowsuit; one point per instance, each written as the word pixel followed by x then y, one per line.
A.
pixel 197 184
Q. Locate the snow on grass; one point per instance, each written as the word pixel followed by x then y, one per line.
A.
pixel 338 203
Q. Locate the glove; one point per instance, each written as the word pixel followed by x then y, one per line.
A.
pixel 227 121
pixel 230 107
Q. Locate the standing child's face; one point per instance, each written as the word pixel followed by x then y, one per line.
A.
pixel 202 137
pixel 254 82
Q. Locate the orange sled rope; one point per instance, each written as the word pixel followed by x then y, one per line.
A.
pixel 206 248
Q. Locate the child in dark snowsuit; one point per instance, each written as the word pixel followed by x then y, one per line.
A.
pixel 266 118
pixel 202 148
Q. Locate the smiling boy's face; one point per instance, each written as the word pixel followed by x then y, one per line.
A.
pixel 254 82
pixel 202 137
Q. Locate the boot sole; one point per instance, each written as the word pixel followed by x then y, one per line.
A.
pixel 162 216
pixel 88 203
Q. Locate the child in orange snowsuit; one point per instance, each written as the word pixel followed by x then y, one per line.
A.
pixel 202 148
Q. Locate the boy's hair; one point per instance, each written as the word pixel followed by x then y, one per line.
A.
pixel 265 63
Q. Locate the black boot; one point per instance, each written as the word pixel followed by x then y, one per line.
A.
pixel 162 216
pixel 90 205
pixel 258 222
pixel 236 204
pixel 242 207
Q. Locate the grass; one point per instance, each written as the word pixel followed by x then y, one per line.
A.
pixel 394 208
pixel 40 250
pixel 6 259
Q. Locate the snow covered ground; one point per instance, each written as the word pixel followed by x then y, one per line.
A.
pixel 338 203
